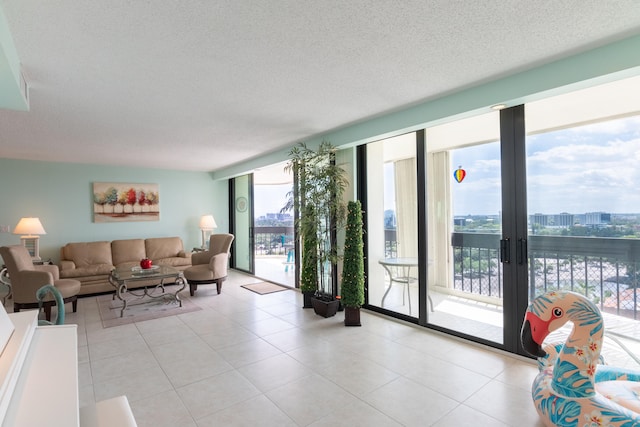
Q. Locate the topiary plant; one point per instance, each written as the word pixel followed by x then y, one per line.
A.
pixel 352 285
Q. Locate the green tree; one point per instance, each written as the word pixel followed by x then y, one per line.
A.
pixel 320 184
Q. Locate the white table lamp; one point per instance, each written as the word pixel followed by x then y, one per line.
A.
pixel 207 223
pixel 30 228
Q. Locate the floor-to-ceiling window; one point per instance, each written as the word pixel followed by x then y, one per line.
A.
pixel 274 240
pixel 534 197
pixel 392 225
pixel 241 215
pixel 464 205
pixel 582 155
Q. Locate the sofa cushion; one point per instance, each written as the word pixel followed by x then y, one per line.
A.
pixel 164 247
pixel 129 251
pixel 178 262
pixel 89 272
pixel 85 254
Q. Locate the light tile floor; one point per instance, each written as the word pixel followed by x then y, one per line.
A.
pixel 262 360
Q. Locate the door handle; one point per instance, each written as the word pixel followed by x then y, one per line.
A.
pixel 505 251
pixel 522 251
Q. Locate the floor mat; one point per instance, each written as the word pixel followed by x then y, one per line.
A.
pixel 265 288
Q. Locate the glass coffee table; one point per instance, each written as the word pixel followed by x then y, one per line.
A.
pixel 148 283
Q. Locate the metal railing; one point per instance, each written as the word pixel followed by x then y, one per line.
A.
pixel 273 240
pixel 603 269
pixel 606 270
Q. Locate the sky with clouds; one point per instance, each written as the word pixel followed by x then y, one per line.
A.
pixel 270 199
pixel 582 169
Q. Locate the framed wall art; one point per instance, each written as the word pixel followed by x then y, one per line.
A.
pixel 241 204
pixel 119 201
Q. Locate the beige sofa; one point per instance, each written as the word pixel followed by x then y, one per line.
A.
pixel 92 262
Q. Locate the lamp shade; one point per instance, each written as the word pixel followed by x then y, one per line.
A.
pixel 29 226
pixel 207 222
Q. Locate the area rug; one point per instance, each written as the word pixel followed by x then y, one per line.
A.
pixel 264 288
pixel 139 310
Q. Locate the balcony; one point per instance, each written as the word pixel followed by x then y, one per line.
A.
pixel 559 263
pixel 274 258
pixel 603 269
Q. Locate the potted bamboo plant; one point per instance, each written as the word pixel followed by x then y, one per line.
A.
pixel 317 196
pixel 352 285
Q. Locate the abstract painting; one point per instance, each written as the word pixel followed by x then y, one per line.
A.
pixel 119 201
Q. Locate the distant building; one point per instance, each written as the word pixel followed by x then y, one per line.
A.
pixel 566 220
pixel 275 218
pixel 460 221
pixel 538 219
pixel 279 216
pixel 597 218
pixel 561 220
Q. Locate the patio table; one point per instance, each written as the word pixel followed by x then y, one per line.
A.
pixel 399 270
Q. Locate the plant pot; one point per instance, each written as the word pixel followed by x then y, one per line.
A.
pixel 325 308
pixel 352 316
pixel 306 299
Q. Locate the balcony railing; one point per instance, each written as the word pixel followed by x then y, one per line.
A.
pixel 603 269
pixel 273 240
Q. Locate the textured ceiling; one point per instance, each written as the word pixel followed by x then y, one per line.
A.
pixel 200 85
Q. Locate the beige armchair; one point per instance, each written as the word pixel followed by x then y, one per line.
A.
pixel 210 266
pixel 27 278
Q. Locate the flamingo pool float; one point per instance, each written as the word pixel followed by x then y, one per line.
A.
pixel 572 389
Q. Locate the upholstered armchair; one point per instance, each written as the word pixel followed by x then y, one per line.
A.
pixel 27 278
pixel 210 266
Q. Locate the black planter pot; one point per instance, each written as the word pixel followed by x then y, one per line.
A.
pixel 306 299
pixel 325 308
pixel 352 316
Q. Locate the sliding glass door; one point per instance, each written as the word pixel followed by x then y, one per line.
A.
pixel 441 250
pixel 274 248
pixel 468 221
pixel 465 277
pixel 242 226
pixel 392 219
pixel 463 284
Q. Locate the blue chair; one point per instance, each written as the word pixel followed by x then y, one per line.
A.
pixel 287 242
